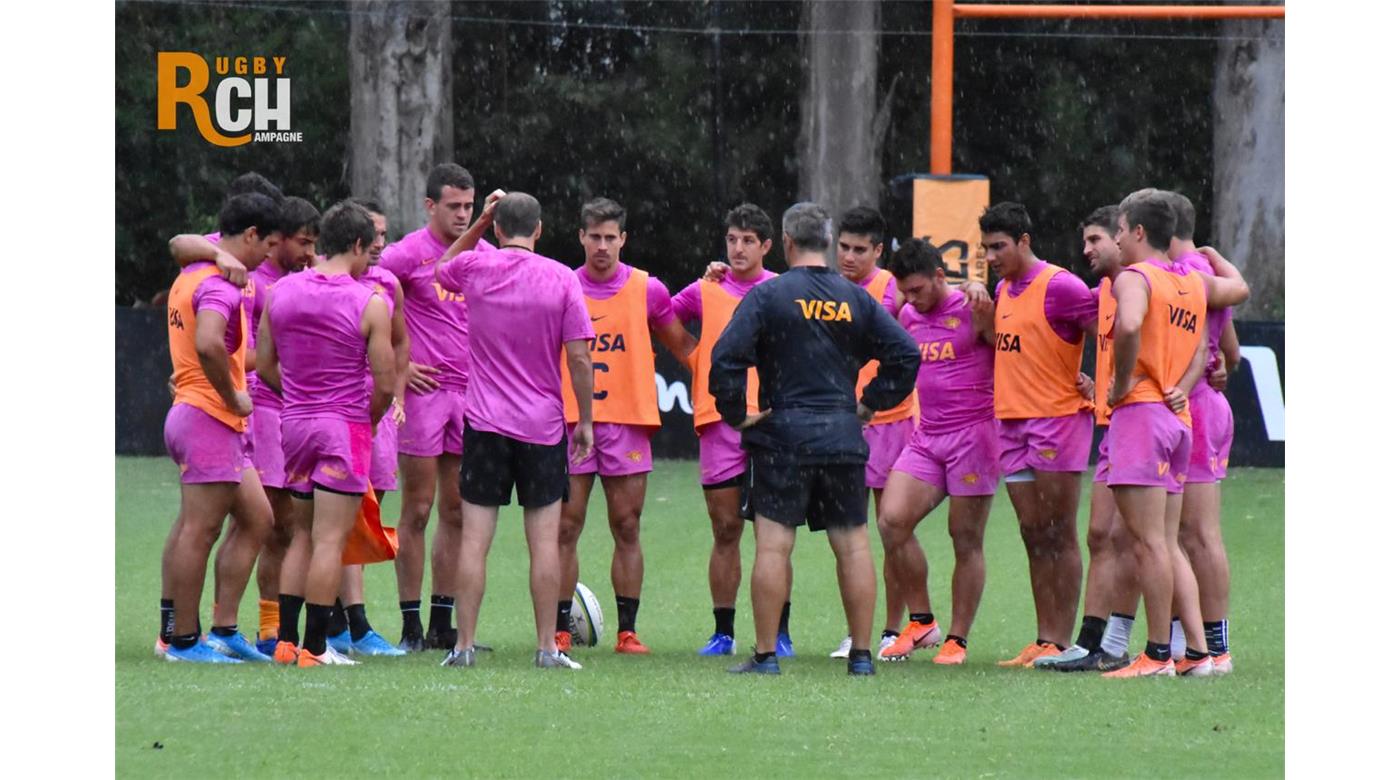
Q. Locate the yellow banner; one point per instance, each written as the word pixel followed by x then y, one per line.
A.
pixel 945 214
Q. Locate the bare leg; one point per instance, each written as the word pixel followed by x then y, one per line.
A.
pixel 905 503
pixel 1104 578
pixel 626 495
pixel 447 539
pixel 275 543
pixel 1201 537
pixel 894 601
pixel 771 580
pixel 571 520
pixel 252 523
pixel 1144 512
pixel 1186 600
pixel 419 478
pixel 856 573
pixel 967 520
pixel 478 528
pixel 542 538
pixel 202 511
pixel 333 515
pixel 728 527
pixel 352 585
pixel 1046 509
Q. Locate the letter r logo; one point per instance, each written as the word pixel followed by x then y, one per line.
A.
pixel 169 94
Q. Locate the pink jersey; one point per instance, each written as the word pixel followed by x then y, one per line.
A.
pixel 524 307
pixel 891 299
pixel 955 368
pixel 254 299
pixel 1216 320
pixel 1069 306
pixel 315 322
pixel 382 283
pixel 687 303
pixel 659 312
pixel 217 295
pixel 436 317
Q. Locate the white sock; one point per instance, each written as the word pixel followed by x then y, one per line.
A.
pixel 1178 640
pixel 1117 633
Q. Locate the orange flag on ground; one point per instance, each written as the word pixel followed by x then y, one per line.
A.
pixel 369 540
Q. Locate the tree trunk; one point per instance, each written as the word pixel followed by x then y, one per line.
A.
pixel 1249 160
pixel 400 103
pixel 836 149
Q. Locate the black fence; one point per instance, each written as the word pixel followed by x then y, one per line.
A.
pixel 143 366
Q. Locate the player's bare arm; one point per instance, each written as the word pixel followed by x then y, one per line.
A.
pixel 398 338
pixel 677 340
pixel 1228 287
pixel 269 371
pixel 188 248
pixel 209 327
pixel 1131 291
pixel 581 376
pixel 375 325
pixel 1175 396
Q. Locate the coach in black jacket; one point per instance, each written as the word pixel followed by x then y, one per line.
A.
pixel 808 332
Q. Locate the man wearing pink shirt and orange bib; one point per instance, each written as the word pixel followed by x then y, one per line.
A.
pixel 627 306
pixel 526 309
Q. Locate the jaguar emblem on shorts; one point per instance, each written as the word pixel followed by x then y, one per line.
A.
pixel 635 456
pixel 1049 454
pixel 970 479
pixel 333 471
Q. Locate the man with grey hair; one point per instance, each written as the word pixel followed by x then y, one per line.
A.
pixel 808 333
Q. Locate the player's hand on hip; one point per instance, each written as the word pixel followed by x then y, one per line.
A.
pixel 420 377
pixel 1085 385
pixel 754 419
pixel 1174 399
pixel 396 410
pixel 865 413
pixel 1117 392
pixel 230 268
pixel 1219 377
pixel 242 404
pixel 170 385
pixel 715 272
pixel 582 442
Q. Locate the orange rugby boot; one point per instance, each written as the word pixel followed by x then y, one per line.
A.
pixel 951 654
pixel 1202 667
pixel 564 640
pixel 629 644
pixel 285 653
pixel 914 636
pixel 1142 666
pixel 1028 654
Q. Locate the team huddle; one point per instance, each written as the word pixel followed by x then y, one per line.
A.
pixel 308 384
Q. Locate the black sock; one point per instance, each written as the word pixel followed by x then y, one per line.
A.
pixel 887 632
pixel 1159 652
pixel 339 623
pixel 318 616
pixel 724 621
pixel 167 619
pixel 225 631
pixel 1194 655
pixel 564 616
pixel 184 641
pixel 922 618
pixel 1217 640
pixel 288 617
pixel 359 622
pixel 412 620
pixel 627 613
pixel 1091 633
pixel 783 619
pixel 961 641
pixel 761 657
pixel 440 617
pixel 858 654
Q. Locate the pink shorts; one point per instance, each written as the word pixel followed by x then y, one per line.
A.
pixel 1046 443
pixel 886 442
pixel 327 451
pixel 1151 447
pixel 205 449
pixel 384 455
pixel 1212 433
pixel 962 462
pixel 432 423
pixel 1101 468
pixel 265 431
pixel 618 450
pixel 721 457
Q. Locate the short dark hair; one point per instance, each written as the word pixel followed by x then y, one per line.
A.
pixel 1006 217
pixel 916 256
pixel 298 213
pixel 368 204
pixel 1105 217
pixel 807 226
pixel 251 182
pixel 448 175
pixel 517 214
pixel 1153 210
pixel 600 210
pixel 747 216
pixel 863 221
pixel 1185 215
pixel 342 225
pixel 250 209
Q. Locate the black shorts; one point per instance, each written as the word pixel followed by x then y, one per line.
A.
pixel 821 496
pixel 492 464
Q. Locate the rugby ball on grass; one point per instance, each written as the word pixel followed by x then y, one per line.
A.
pixel 586 617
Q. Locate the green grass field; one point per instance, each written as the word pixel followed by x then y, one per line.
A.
pixel 675 714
